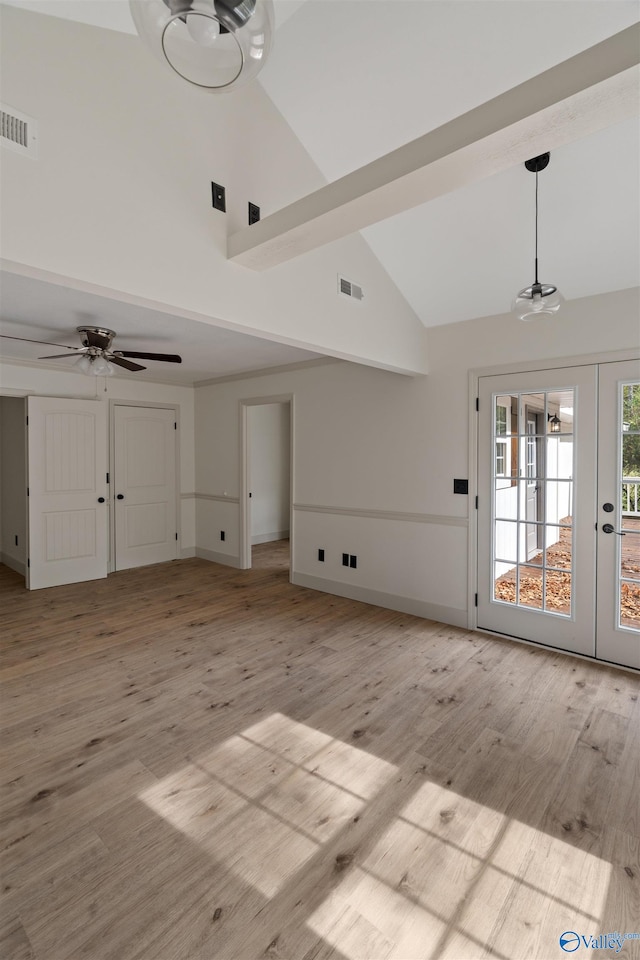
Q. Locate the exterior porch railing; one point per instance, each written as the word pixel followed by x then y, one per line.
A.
pixel 631 496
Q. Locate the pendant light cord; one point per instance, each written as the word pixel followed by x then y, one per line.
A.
pixel 536 280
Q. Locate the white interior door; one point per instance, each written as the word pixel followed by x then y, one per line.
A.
pixel 144 486
pixel 566 574
pixel 68 519
pixel 618 512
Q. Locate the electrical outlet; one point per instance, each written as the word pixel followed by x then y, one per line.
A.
pixel 353 562
pixel 345 559
pixel 218 200
pixel 222 534
pixel 321 556
pixel 254 213
pixel 461 486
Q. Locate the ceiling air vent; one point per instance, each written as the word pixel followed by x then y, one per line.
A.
pixel 18 131
pixel 349 289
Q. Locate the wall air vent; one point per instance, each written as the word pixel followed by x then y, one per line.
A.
pixel 349 289
pixel 18 131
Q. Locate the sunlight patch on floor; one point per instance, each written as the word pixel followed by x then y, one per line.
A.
pixel 449 877
pixel 265 800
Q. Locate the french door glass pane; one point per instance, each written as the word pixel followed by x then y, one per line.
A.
pixel 628 592
pixel 530 586
pixel 559 547
pixel 533 495
pixel 557 598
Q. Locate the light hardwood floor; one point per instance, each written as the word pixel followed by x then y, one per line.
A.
pixel 207 764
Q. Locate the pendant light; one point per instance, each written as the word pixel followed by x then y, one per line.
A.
pixel 214 44
pixel 540 299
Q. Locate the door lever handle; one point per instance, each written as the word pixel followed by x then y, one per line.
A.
pixel 608 528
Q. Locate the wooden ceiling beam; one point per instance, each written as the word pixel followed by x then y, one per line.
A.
pixel 594 89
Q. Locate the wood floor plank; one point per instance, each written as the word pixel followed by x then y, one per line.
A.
pixel 202 763
pixel 14 942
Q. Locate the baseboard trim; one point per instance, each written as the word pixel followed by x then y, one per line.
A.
pixel 417 608
pixel 226 559
pixel 187 553
pixel 270 537
pixel 13 564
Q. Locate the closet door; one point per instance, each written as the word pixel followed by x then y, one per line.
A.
pixel 68 510
pixel 144 486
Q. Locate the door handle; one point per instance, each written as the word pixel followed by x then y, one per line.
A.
pixel 608 528
pixel 120 496
pixel 100 499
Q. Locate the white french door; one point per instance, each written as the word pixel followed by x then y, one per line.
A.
pixel 618 613
pixel 68 519
pixel 559 510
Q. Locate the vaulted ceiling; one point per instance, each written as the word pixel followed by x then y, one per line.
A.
pixel 356 79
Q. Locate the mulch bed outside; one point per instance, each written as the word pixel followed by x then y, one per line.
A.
pixel 558 582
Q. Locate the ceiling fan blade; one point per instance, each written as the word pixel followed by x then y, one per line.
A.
pixel 141 355
pixel 46 343
pixel 58 356
pixel 127 364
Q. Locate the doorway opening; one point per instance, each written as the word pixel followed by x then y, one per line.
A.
pixel 266 483
pixel 13 485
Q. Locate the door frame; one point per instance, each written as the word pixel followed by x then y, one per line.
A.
pixel 473 381
pixel 245 453
pixel 113 403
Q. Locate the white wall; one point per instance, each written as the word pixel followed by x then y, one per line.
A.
pixel 42 381
pixel 268 428
pixel 13 484
pixel 120 196
pixel 375 455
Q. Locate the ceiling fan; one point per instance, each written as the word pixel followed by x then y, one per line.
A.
pixel 96 357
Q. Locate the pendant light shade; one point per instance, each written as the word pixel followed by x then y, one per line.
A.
pixel 214 44
pixel 539 299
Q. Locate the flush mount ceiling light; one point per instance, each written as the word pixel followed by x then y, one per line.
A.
pixel 540 299
pixel 214 44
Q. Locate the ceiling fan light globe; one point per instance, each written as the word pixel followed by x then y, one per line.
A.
pixel 100 367
pixel 84 364
pixel 217 45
